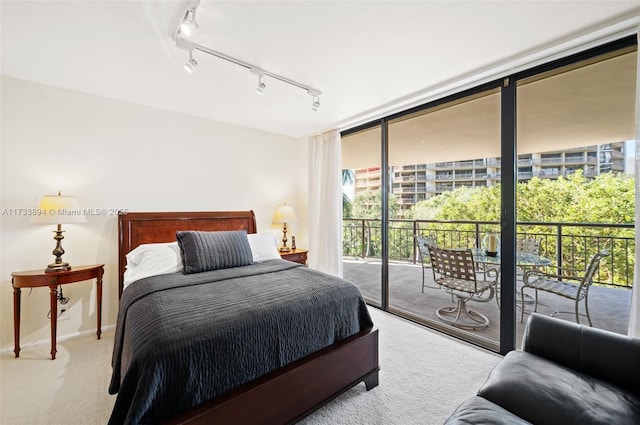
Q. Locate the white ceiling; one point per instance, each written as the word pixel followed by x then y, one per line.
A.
pixel 366 57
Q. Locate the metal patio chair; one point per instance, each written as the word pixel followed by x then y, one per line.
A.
pixel 422 243
pixel 454 270
pixel 573 287
pixel 529 245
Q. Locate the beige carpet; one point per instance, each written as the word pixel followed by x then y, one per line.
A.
pixel 424 375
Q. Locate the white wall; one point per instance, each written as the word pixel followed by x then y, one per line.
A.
pixel 116 155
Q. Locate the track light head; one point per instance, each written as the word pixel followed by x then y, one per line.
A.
pixel 316 98
pixel 261 84
pixel 191 64
pixel 189 26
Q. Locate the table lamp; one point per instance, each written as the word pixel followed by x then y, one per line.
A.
pixel 284 214
pixel 58 209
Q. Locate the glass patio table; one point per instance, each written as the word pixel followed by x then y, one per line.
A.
pixel 523 259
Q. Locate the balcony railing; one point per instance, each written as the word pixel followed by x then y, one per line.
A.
pixel 566 160
pixel 568 245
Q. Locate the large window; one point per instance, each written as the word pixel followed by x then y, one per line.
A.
pixel 539 161
pixel 451 149
pixel 362 212
pixel 576 123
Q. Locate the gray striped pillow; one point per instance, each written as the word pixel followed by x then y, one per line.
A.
pixel 205 251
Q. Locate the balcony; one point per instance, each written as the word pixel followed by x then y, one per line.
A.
pixel 444 176
pixel 444 187
pixel 468 164
pixel 580 160
pixel 404 199
pixel 566 160
pixel 443 165
pixel 410 178
pixel 464 176
pixel 567 245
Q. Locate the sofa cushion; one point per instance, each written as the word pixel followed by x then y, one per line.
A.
pixel 585 349
pixel 477 410
pixel 540 391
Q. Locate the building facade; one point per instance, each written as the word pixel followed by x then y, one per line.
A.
pixel 414 183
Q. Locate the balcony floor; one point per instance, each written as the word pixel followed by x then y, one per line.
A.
pixel 608 307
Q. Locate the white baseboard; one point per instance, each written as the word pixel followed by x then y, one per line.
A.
pixel 60 338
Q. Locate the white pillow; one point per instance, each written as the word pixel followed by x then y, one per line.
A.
pixel 264 246
pixel 152 259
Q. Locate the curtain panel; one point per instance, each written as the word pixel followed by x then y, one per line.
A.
pixel 634 317
pixel 325 203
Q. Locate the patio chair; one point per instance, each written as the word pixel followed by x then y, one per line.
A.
pixel 573 287
pixel 530 245
pixel 422 243
pixel 454 270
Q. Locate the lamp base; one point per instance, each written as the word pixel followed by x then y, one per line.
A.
pixel 285 249
pixel 57 267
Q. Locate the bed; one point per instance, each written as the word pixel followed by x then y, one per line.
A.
pixel 308 366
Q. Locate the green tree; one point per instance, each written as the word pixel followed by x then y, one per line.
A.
pixel 368 204
pixel 348 178
pixel 608 198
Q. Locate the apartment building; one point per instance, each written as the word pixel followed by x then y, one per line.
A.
pixel 417 182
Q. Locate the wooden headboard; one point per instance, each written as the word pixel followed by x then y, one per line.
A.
pixel 153 227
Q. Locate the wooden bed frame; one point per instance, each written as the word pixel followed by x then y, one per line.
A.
pixel 285 395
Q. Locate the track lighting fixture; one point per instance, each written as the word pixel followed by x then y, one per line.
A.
pixel 261 84
pixel 183 36
pixel 191 64
pixel 316 98
pixel 189 26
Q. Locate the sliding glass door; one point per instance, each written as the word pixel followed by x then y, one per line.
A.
pixel 362 212
pixel 444 168
pixel 576 188
pixel 532 173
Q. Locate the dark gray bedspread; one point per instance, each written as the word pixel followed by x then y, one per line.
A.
pixel 183 339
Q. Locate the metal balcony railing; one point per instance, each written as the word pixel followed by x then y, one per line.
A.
pixel 568 245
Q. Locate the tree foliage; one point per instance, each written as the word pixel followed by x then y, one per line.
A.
pixel 607 199
pixel 368 204
pixel 348 178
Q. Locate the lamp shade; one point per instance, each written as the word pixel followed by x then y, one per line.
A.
pixel 58 209
pixel 284 214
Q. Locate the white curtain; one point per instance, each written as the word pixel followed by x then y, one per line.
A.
pixel 634 318
pixel 325 203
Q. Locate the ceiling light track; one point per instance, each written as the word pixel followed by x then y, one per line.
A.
pixel 183 39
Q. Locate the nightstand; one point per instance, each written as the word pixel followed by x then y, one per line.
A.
pixel 39 278
pixel 296 255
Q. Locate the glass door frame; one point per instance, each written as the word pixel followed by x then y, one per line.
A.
pixel 508 140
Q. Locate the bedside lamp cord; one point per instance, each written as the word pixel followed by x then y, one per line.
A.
pixel 61 299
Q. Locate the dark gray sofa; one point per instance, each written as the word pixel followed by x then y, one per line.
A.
pixel 565 374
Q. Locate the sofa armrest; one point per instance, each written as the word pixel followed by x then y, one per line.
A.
pixel 605 355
